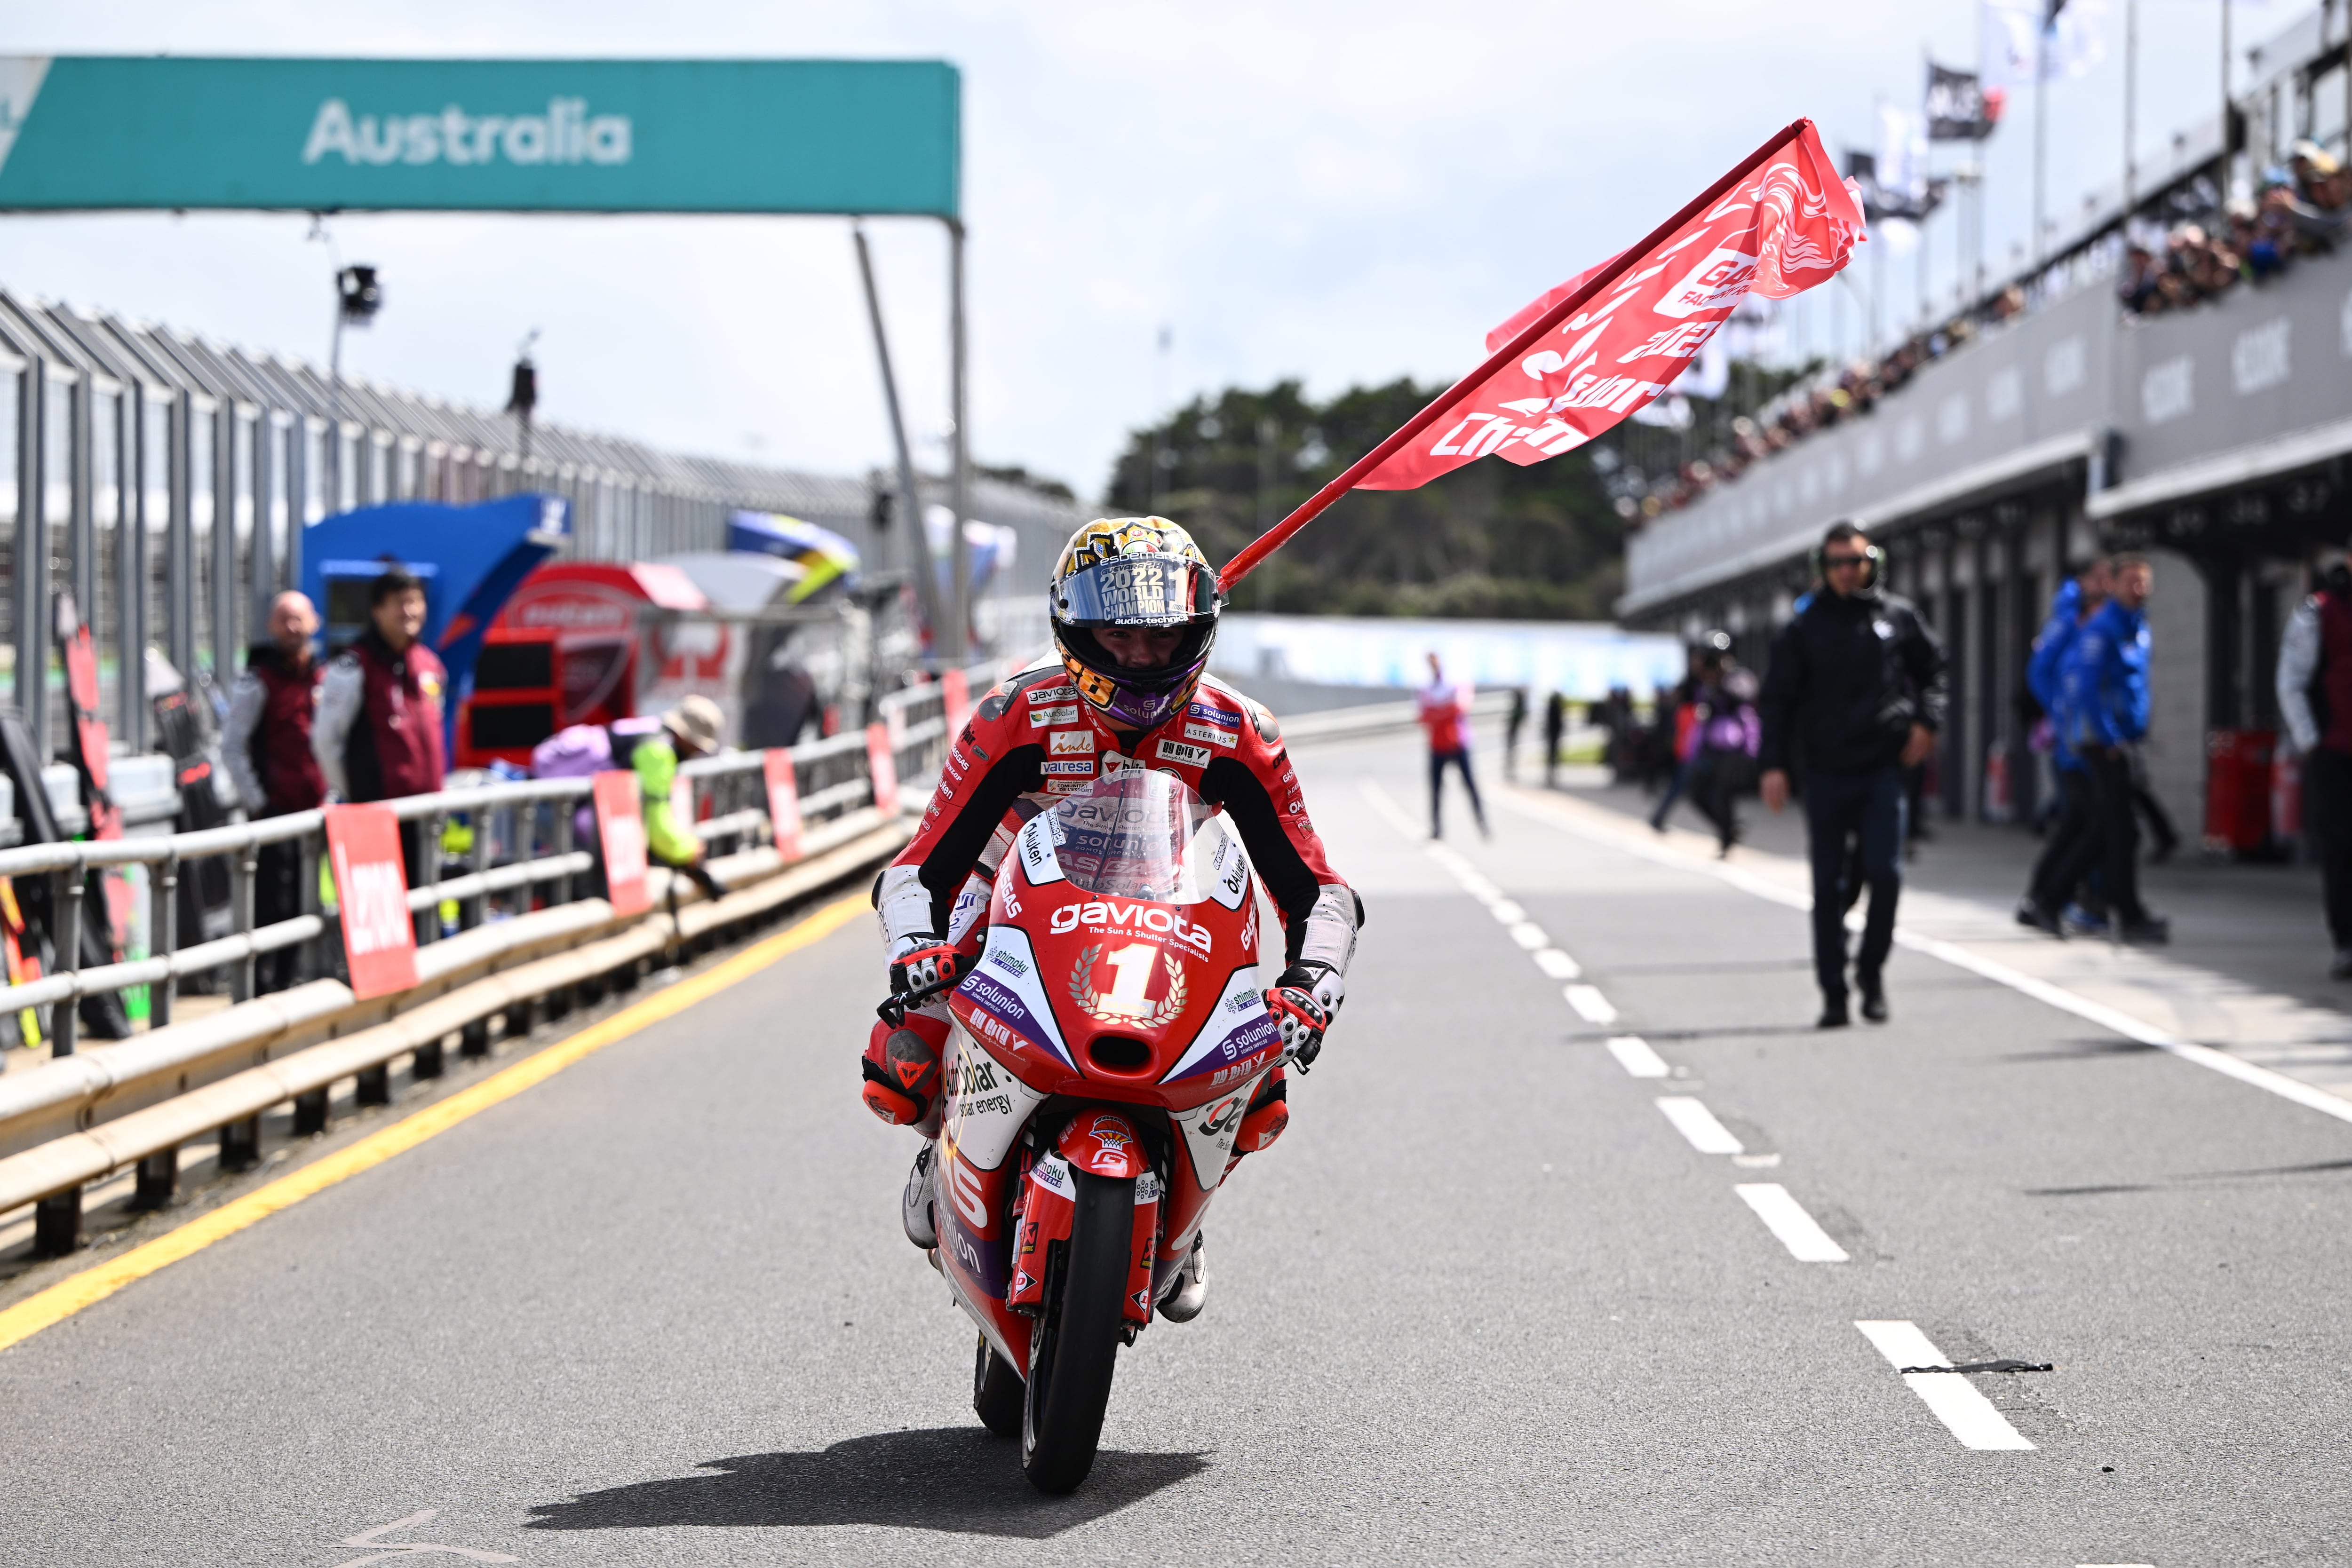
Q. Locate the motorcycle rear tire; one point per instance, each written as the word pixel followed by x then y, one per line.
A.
pixel 996 1392
pixel 1075 1349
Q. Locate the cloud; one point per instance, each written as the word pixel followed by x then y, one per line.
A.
pixel 1339 192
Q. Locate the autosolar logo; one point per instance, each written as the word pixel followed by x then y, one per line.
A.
pixel 566 133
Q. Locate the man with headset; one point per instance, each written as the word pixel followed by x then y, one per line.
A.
pixel 1855 692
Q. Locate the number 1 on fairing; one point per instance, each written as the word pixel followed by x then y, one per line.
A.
pixel 1132 964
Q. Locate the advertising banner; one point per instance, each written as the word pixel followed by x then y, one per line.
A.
pixel 84 133
pixel 783 801
pixel 621 829
pixel 372 890
pixel 884 764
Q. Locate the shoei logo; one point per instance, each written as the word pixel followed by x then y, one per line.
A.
pixel 566 133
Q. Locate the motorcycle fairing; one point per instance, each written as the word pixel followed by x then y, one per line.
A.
pixel 1103 1143
pixel 1208 1143
pixel 1034 846
pixel 987 1103
pixel 1003 989
pixel 1236 1032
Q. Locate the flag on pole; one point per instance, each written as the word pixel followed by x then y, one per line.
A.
pixel 1611 338
pixel 1788 224
pixel 1960 107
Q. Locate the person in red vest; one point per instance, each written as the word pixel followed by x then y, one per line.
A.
pixel 266 746
pixel 2314 697
pixel 378 735
pixel 1445 714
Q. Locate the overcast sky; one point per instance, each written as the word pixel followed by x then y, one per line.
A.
pixel 1342 192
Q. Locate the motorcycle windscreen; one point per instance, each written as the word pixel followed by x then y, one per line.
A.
pixel 1140 834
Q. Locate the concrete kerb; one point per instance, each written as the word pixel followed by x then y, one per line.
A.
pixel 332 1039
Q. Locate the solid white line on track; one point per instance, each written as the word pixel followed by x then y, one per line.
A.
pixel 1697 1124
pixel 1786 1217
pixel 1953 1398
pixel 1634 1055
pixel 2307 1095
pixel 1557 963
pixel 1589 1004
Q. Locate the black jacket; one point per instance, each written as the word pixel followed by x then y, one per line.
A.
pixel 1849 678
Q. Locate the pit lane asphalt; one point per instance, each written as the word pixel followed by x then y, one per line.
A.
pixel 1483 1303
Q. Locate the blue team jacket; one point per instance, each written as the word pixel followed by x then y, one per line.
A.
pixel 2103 686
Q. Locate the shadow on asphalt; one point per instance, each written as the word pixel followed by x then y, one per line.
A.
pixel 956 1478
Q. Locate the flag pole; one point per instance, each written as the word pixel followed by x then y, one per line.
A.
pixel 1242 565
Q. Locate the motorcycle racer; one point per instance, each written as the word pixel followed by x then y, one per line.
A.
pixel 1134 608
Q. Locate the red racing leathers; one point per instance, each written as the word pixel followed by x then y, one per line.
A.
pixel 1033 739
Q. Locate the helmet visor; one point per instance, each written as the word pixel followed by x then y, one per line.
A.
pixel 1137 590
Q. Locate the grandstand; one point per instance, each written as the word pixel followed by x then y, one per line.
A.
pixel 2214 435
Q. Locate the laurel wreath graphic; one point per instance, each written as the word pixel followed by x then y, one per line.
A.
pixel 1082 992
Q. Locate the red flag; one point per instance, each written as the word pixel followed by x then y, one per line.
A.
pixel 1591 351
pixel 1789 225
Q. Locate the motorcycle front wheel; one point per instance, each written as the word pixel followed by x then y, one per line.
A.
pixel 1075 1347
pixel 996 1392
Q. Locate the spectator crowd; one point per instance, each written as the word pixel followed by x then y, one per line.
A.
pixel 2301 210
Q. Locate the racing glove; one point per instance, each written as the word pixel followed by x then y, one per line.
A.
pixel 1300 1014
pixel 922 958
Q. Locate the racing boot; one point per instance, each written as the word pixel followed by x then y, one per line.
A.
pixel 1183 1303
pixel 915 1203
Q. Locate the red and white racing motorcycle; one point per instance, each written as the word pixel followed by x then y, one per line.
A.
pixel 1106 1045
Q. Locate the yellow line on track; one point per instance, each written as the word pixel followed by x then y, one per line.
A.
pixel 68 1296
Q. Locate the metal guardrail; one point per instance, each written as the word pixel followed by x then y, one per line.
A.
pixel 519 920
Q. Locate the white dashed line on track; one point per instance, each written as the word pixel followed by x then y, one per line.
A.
pixel 1589 1004
pixel 1953 1398
pixel 1694 1121
pixel 1785 1218
pixel 1634 1055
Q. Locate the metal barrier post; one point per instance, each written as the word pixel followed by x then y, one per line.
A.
pixel 242 865
pixel 56 1221
pixel 165 919
pixel 240 1144
pixel 159 1179
pixel 310 962
pixel 66 900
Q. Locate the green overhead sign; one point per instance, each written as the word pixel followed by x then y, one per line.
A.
pixel 96 132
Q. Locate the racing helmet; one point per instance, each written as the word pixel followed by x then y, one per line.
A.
pixel 1138 572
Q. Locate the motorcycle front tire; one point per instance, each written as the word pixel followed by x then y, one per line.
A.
pixel 996 1392
pixel 1076 1348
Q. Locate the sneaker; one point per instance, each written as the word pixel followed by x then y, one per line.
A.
pixel 915 1203
pixel 2148 931
pixel 1192 1292
pixel 2082 922
pixel 1874 997
pixel 1834 1014
pixel 2043 918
